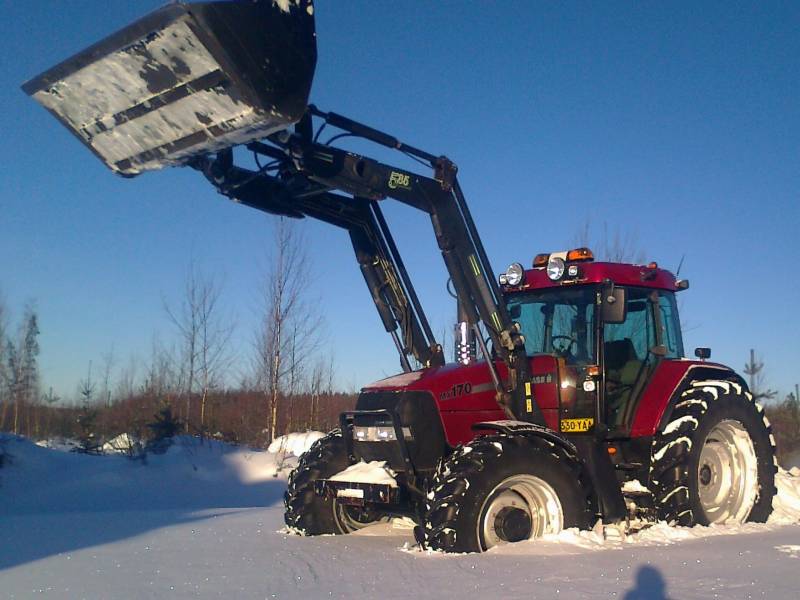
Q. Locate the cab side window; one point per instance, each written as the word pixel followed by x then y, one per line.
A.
pixel 638 327
pixel 671 325
pixel 626 350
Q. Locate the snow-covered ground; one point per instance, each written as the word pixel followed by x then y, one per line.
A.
pixel 206 520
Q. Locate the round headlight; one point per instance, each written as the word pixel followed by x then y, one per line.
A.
pixel 555 268
pixel 514 274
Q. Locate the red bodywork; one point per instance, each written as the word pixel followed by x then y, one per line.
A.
pixel 465 395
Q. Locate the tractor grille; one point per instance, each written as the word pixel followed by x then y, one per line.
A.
pixel 421 424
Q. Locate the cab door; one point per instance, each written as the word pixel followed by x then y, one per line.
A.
pixel 628 356
pixel 631 351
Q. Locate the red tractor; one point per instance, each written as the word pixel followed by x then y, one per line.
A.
pixel 570 399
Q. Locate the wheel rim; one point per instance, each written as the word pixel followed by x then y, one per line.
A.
pixel 727 474
pixel 520 508
pixel 352 518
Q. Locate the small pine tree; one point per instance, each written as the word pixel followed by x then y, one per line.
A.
pixel 89 441
pixel 754 369
pixel 163 429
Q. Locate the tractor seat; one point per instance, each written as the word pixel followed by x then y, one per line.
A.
pixel 622 370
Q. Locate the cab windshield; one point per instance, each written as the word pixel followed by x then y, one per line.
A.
pixel 558 321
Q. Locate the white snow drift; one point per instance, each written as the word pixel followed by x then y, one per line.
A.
pixel 202 521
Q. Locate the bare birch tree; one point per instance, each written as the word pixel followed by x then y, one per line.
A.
pixel 22 364
pixel 204 339
pixel 108 367
pixel 289 328
pixel 125 387
pixel 320 384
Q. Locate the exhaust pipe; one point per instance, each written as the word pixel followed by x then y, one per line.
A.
pixel 464 336
pixel 185 80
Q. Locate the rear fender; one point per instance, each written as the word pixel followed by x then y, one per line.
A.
pixel 665 387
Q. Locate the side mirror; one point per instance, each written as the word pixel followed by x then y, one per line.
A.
pixel 702 353
pixel 613 305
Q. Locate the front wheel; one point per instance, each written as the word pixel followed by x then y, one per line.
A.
pixel 310 514
pixel 714 462
pixel 502 489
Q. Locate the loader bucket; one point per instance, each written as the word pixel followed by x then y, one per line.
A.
pixel 186 79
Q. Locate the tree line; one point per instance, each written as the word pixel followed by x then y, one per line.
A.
pixel 288 385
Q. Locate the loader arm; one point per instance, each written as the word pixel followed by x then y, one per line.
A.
pixel 307 172
pixel 190 81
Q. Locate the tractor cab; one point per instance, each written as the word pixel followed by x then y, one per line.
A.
pixel 608 325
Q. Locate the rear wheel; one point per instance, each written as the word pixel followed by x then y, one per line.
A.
pixel 310 514
pixel 714 462
pixel 502 489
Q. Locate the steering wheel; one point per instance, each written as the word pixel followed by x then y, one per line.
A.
pixel 564 350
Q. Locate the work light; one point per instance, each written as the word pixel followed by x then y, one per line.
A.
pixel 514 274
pixel 555 268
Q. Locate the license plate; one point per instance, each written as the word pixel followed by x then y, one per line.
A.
pixel 576 425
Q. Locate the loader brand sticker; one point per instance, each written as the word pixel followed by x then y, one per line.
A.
pixel 399 180
pixel 460 389
pixel 544 378
pixel 576 425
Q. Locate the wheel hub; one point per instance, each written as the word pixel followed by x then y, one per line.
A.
pixel 521 507
pixel 727 475
pixel 705 475
pixel 513 524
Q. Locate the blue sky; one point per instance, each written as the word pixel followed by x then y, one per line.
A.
pixel 677 123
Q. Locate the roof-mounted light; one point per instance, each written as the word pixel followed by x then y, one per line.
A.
pixel 555 268
pixel 514 274
pixel 579 254
pixel 540 262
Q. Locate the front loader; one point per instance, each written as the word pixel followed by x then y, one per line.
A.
pixel 578 406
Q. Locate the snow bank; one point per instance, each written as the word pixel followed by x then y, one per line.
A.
pixel 60 444
pixel 294 444
pixel 368 472
pixel 786 505
pixel 192 474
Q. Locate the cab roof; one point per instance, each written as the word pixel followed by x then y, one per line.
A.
pixel 650 276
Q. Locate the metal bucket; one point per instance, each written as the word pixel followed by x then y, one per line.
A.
pixel 186 79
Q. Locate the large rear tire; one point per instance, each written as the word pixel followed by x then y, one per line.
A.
pixel 309 514
pixel 714 461
pixel 501 489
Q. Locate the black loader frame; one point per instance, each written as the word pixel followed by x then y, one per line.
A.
pixel 299 182
pixel 305 178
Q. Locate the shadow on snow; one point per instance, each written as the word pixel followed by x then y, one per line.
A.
pixel 53 502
